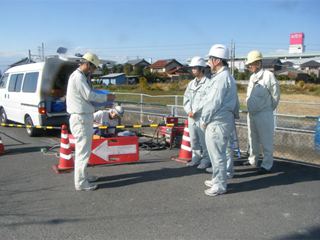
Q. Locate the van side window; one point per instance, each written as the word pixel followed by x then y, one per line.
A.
pixel 30 82
pixel 3 81
pixel 15 83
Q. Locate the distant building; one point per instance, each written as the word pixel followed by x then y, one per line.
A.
pixel 296 43
pixel 164 65
pixel 113 79
pixel 21 62
pixel 143 63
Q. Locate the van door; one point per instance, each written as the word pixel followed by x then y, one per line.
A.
pixel 12 102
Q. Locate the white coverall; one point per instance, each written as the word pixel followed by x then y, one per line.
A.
pixel 217 116
pixel 230 150
pixel 192 102
pixel 102 117
pixel 263 95
pixel 79 96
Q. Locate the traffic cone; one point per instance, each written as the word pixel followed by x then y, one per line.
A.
pixel 185 150
pixel 66 161
pixel 72 142
pixel 2 151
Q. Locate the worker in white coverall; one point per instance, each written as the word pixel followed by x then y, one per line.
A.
pixel 79 96
pixel 263 95
pixel 192 104
pixel 230 150
pixel 218 118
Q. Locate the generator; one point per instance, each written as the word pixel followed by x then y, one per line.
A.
pixel 172 135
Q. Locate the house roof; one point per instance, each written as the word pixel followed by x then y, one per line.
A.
pixel 289 70
pixel 112 75
pixel 271 62
pixel 163 63
pixel 311 63
pixel 178 71
pixel 21 62
pixel 137 61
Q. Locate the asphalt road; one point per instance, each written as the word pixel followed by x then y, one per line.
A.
pixel 156 198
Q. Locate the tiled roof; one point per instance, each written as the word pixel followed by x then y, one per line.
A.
pixel 162 63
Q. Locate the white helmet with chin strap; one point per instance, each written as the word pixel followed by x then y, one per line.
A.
pixel 219 51
pixel 92 58
pixel 197 62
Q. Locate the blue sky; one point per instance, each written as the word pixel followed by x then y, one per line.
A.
pixel 124 29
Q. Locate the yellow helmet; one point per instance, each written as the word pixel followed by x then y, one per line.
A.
pixel 92 58
pixel 254 56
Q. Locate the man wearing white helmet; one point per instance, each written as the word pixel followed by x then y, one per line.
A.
pixel 192 104
pixel 107 118
pixel 263 95
pixel 218 117
pixel 79 96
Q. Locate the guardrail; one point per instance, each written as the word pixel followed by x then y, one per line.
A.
pixel 294 134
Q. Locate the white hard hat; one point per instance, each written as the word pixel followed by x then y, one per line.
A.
pixel 198 62
pixel 119 111
pixel 254 56
pixel 92 58
pixel 219 51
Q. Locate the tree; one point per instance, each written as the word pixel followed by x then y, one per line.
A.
pixel 127 69
pixel 138 70
pixel 240 76
pixel 247 74
pixel 114 69
pixel 120 69
pixel 105 70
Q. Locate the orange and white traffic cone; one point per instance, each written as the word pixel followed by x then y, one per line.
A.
pixel 72 142
pixel 66 162
pixel 2 151
pixel 185 150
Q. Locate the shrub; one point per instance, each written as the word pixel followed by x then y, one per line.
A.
pixel 156 88
pixel 284 77
pixel 142 82
pixel 279 77
pixel 301 83
pixel 174 87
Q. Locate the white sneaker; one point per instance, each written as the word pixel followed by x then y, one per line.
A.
pixel 203 166
pixel 208 183
pixel 92 178
pixel 209 169
pixel 192 163
pixel 90 187
pixel 229 176
pixel 213 192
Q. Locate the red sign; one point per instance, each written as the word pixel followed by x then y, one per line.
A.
pixel 296 38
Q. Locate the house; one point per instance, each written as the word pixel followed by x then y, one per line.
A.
pixel 299 75
pixel 175 73
pixel 161 66
pixel 271 64
pixel 113 79
pixel 21 62
pixel 143 63
pixel 311 67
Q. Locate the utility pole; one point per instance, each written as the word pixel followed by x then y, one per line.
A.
pixel 232 57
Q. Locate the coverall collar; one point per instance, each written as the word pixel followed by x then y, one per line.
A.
pixel 220 71
pixel 258 75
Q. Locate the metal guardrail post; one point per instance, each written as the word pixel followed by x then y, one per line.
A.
pixel 175 108
pixel 119 119
pixel 141 102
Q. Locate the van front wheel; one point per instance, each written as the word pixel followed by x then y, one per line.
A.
pixel 30 131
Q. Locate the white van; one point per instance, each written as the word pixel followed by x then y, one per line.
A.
pixel 27 92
